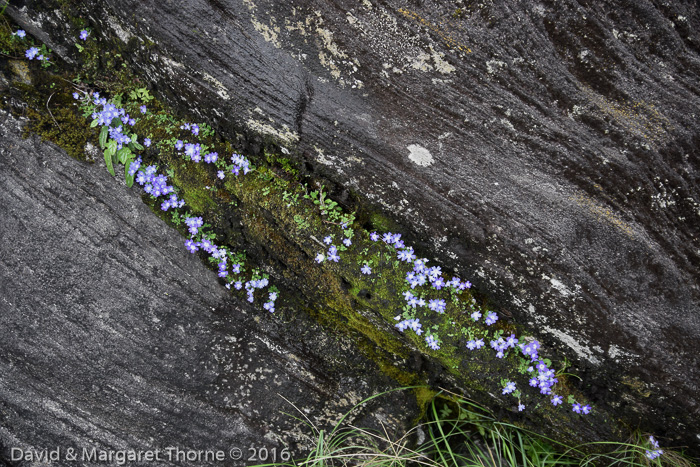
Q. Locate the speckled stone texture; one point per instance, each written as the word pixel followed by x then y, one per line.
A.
pixel 114 337
pixel 548 150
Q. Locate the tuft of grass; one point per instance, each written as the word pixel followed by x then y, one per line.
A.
pixel 460 433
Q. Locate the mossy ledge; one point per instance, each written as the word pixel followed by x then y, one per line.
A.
pixel 266 215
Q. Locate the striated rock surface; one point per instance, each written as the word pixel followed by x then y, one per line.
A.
pixel 115 338
pixel 547 150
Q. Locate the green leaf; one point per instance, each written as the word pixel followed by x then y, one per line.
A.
pixel 108 161
pixel 134 145
pixel 93 124
pixel 123 154
pixel 111 148
pixel 103 137
pixel 129 178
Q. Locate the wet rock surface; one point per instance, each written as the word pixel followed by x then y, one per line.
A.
pixel 114 337
pixel 548 150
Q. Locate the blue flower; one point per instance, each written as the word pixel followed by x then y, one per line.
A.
pixel 366 269
pixel 347 242
pixel 20 33
pixel 179 145
pixel 576 408
pixel 556 400
pixel 76 96
pixel 147 142
pixel 320 258
pixel 84 34
pixel 142 109
pixel 374 236
pixel 220 174
pixel 521 407
pixel 476 315
pixel 327 240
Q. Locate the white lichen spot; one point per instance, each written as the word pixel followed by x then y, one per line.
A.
pixel 492 66
pixel 421 62
pixel 419 155
pixel 559 286
pixel 285 134
pixel 121 33
pixel 507 124
pixel 581 350
pixel 441 65
pixel 220 88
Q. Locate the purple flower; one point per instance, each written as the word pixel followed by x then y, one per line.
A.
pixel 576 408
pixel 269 306
pixel 491 318
pixel 147 142
pixel 366 269
pixel 374 236
pixel 521 407
pixel 76 96
pixel 327 240
pixel 142 109
pixel 84 34
pixel 432 343
pixel 179 145
pixel 347 242
pixel 31 53
pixel 556 400
pixel 211 157
pixel 437 305
pixel 471 345
pixel 510 387
pixel 20 33
pixel 476 315
pixel 220 174
pixel 191 246
pixel 654 443
pixel 320 258
pixel 586 409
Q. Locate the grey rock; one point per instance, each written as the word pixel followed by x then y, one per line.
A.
pixel 546 150
pixel 115 338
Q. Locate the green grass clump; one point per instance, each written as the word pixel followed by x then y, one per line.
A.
pixel 459 432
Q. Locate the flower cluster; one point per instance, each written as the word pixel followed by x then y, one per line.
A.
pixel 413 324
pixel 656 452
pixel 545 378
pixel 502 345
pixel 432 342
pixel 240 163
pixel 509 387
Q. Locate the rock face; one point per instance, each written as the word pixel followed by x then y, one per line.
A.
pixel 114 337
pixel 547 150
